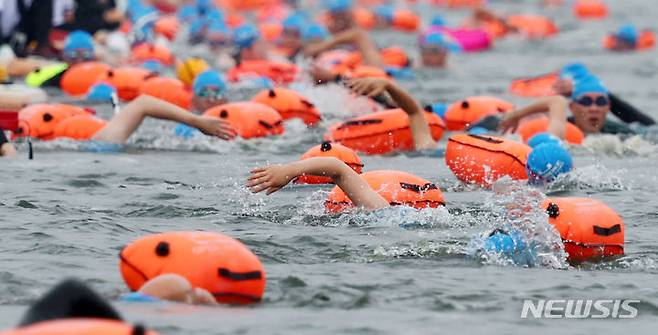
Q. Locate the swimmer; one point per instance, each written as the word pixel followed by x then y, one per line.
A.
pixel 341 16
pixel 434 48
pixel 249 44
pixel 210 90
pixel 290 42
pixel 171 287
pixel 356 38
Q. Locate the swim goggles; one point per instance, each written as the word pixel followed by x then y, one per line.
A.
pixel 588 101
pixel 293 32
pixel 79 54
pixel 211 92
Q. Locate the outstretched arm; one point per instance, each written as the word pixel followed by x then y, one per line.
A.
pixel 420 129
pixel 272 178
pixel 556 106
pixel 131 116
pixel 356 37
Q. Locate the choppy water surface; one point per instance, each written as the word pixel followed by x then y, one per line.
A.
pixel 68 213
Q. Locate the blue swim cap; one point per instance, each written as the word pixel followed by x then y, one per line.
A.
pixel 153 65
pixel 315 31
pixel 546 161
pixel 295 21
pixel 505 242
pixel 215 14
pixel 628 33
pixel 478 131
pixel 439 109
pixel 101 92
pixel 588 84
pixel 187 13
pixel 206 79
pixel 442 41
pixel 78 40
pixel 404 73
pixel 205 4
pixel 217 26
pixel 438 21
pixel 337 5
pixel 574 71
pixel 385 11
pixel 245 36
pixel 541 138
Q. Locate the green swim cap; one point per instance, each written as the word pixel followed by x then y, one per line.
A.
pixel 41 75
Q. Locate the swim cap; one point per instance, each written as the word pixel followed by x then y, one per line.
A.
pixel 588 84
pixel 187 13
pixel 101 92
pixel 478 131
pixel 152 65
pixel 628 33
pixel 541 138
pixel 501 241
pixel 218 26
pixel 78 40
pixel 574 71
pixel 245 36
pixel 315 31
pixel 440 40
pixel 337 5
pixel 385 11
pixel 438 21
pixel 207 79
pixel 438 109
pixel 546 161
pixel 295 21
pixel 215 14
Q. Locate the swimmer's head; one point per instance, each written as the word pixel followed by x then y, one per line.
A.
pixel 434 48
pixel 542 138
pixel 314 33
pixel 153 65
pixel 340 15
pixel 590 104
pixel 218 34
pixel 627 37
pixel 438 108
pixel 438 21
pixel 547 161
pixel 101 92
pixel 383 15
pixel 574 71
pixel 247 39
pixel 291 35
pixel 209 90
pixel 78 47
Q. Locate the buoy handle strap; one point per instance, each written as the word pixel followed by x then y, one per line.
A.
pixel 359 123
pixel 602 231
pixel 418 188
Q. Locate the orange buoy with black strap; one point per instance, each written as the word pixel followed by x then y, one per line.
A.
pixel 80 326
pixel 530 128
pixel 215 262
pixel 364 18
pixel 79 127
pixel 40 120
pixel 150 51
pixel 590 230
pixel 395 56
pixel 289 104
pixel 168 89
pixel 127 80
pixel 188 69
pixel 533 26
pixel 398 188
pixel 590 9
pixel 646 40
pixel 328 149
pixel 381 132
pixel 480 159
pixel 80 77
pixel 539 86
pixel 281 73
pixel 461 114
pixel 249 119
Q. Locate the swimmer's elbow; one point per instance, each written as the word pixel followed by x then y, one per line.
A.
pixel 557 101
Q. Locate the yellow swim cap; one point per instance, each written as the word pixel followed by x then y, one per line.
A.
pixel 188 69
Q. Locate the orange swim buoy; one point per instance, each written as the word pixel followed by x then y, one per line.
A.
pixel 539 86
pixel 364 18
pixel 398 188
pixel 127 80
pixel 249 119
pixel 215 262
pixel 365 71
pixel 405 20
pixel 281 73
pixel 328 149
pixel 590 9
pixel 168 89
pixel 289 104
pixel 80 326
pixel 80 127
pixel 461 114
pixel 40 120
pixel 533 26
pixel 530 128
pixel 80 77
pixel 645 41
pixel 167 26
pixel 460 3
pixel 244 5
pixel 480 159
pixel 381 132
pixel 150 51
pixel 270 30
pixel 333 59
pixel 590 230
pixel 395 56
pixel 188 69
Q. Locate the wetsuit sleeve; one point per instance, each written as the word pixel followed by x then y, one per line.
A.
pixel 627 113
pixel 69 299
pixel 3 138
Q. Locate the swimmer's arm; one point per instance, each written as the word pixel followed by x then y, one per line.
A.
pixel 7 150
pixel 420 130
pixel 274 177
pixel 556 106
pixel 627 112
pixel 131 116
pixel 356 37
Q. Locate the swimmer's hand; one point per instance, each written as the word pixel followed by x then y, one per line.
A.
pixel 563 87
pixel 509 122
pixel 321 75
pixel 370 87
pixel 215 127
pixel 271 178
